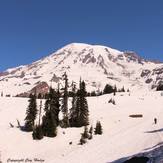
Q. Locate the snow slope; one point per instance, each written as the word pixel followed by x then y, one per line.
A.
pixel 123 136
pixel 97 65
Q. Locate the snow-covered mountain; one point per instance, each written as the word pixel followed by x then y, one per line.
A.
pixel 97 65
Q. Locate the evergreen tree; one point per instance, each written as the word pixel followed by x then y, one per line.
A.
pixel 37 133
pixel 31 113
pixel 81 106
pixel 115 90
pixel 73 113
pixel 159 87
pixel 39 96
pixel 49 124
pixel 93 93
pixel 50 120
pixel 108 89
pixel 37 130
pixel 98 129
pixel 91 132
pixel 86 134
pixel 123 89
pixel 64 106
pixel 82 140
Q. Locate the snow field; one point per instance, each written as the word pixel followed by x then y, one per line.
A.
pixel 122 136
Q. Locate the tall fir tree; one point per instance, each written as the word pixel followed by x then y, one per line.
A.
pixel 31 113
pixel 82 112
pixel 64 106
pixel 37 130
pixel 73 113
pixel 50 120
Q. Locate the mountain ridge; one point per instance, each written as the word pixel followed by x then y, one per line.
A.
pixel 96 64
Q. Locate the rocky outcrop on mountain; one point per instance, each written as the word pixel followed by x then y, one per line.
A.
pixel 41 87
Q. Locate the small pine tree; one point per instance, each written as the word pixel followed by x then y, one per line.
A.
pixel 39 96
pixel 115 88
pixel 82 140
pixel 91 132
pixel 110 101
pixel 86 134
pixel 31 113
pixel 98 129
pixel 93 93
pixel 123 89
pixel 113 102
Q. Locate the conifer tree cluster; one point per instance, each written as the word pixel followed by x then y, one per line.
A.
pixel 89 134
pixel 46 125
pixel 79 111
pixel 50 120
pixel 112 89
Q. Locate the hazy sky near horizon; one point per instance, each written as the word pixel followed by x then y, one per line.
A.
pixel 32 29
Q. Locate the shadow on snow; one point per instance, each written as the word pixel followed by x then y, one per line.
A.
pixel 153 155
pixel 153 131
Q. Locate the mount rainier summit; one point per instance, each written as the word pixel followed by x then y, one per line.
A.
pixel 97 65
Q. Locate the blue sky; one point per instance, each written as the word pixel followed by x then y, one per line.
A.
pixel 32 29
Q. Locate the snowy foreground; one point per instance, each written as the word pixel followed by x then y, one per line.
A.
pixel 123 136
